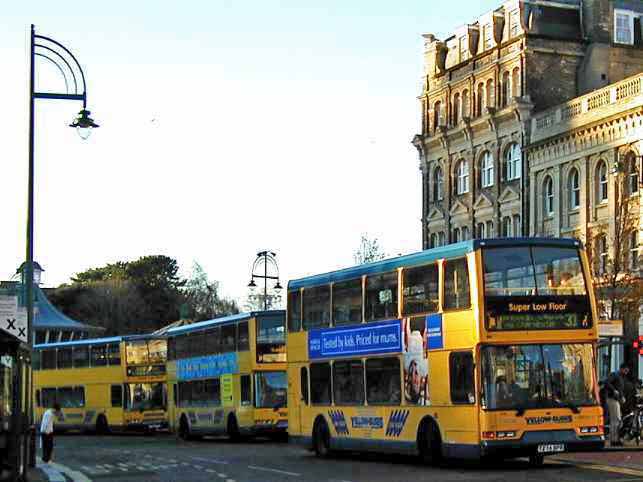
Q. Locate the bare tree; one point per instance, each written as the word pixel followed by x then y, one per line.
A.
pixel 614 261
pixel 369 250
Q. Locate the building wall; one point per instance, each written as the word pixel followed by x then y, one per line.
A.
pixel 483 86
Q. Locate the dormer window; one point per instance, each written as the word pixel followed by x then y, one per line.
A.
pixel 488 36
pixel 514 23
pixel 463 48
pixel 624 27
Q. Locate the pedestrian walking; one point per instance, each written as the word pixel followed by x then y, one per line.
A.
pixel 615 388
pixel 47 431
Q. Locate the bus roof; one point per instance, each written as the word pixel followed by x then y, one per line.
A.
pixel 88 341
pixel 202 325
pixel 449 251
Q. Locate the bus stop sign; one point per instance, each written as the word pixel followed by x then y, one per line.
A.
pixel 13 318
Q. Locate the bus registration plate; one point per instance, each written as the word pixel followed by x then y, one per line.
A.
pixel 550 448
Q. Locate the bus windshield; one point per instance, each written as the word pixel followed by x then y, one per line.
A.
pixel 533 270
pixel 271 340
pixel 146 352
pixel 144 396
pixel 535 288
pixel 271 389
pixel 538 376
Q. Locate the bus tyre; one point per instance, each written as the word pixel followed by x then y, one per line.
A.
pixel 102 428
pixel 429 443
pixel 184 429
pixel 536 460
pixel 321 439
pixel 232 428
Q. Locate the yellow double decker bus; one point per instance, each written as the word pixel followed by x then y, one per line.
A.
pixel 483 348
pixel 103 384
pixel 228 376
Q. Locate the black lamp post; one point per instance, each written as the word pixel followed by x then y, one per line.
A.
pixel 265 258
pixel 76 89
pixel 56 53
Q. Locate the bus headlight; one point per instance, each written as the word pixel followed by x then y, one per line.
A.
pixel 587 430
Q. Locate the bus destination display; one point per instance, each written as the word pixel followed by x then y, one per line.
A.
pixel 537 313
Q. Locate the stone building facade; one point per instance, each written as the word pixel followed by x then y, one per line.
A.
pixel 585 160
pixel 484 86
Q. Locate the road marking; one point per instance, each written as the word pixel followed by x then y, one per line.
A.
pixel 52 474
pixel 210 471
pixel 276 471
pixel 211 461
pixel 73 475
pixel 602 468
pixel 223 476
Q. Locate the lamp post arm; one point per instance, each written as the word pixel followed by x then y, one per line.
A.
pixel 66 50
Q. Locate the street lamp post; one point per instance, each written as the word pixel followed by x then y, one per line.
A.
pixel 265 258
pixel 56 53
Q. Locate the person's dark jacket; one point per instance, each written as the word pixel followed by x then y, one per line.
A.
pixel 615 386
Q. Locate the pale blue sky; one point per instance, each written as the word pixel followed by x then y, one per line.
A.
pixel 277 124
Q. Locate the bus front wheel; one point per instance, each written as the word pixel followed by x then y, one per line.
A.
pixel 321 439
pixel 429 442
pixel 232 428
pixel 102 428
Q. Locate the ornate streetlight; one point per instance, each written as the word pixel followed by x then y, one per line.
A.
pixel 76 89
pixel 56 53
pixel 266 260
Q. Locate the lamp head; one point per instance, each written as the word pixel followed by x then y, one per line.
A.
pixel 252 283
pixel 84 124
pixel 278 286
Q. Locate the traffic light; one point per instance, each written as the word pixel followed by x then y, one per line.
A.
pixel 638 345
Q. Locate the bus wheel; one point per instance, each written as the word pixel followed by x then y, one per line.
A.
pixel 232 428
pixel 536 460
pixel 102 428
pixel 321 439
pixel 429 442
pixel 184 429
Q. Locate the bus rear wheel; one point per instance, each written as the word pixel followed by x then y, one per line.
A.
pixel 102 428
pixel 430 443
pixel 321 439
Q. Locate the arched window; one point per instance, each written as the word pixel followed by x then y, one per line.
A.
pixel 441 239
pixel 464 233
pixel 465 104
pixel 463 177
pixel 437 114
pixel 490 94
pixel 548 196
pixel 634 250
pixel 517 225
pixel 486 169
pixel 456 109
pixel 506 227
pixel 632 175
pixel 601 182
pixel 479 99
pixel 489 232
pixel 515 82
pixel 433 240
pixel 482 234
pixel 438 181
pixel 574 189
pixel 456 235
pixel 513 162
pixel 506 89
